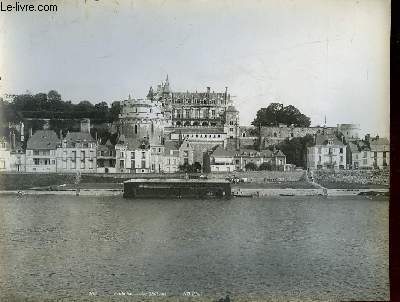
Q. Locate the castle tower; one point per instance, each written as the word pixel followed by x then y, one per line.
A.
pixel 231 127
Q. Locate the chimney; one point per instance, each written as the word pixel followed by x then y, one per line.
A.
pixel 30 132
pixel 85 125
pixel 208 90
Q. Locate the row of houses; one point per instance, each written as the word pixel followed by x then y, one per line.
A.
pixel 330 152
pixel 78 151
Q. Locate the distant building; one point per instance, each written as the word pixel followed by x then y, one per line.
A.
pixel 328 152
pixel 77 151
pixel 177 154
pixel 222 160
pixel 41 151
pixel 5 155
pixel 192 108
pixel 380 151
pixel 273 135
pixel 359 155
pixel 350 132
pixel 106 157
pixel 276 159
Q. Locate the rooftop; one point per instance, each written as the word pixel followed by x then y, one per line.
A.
pixel 43 140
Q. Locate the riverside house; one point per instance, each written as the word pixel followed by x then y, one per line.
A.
pixel 276 159
pixel 77 151
pixel 41 151
pixel 222 160
pixel 328 152
pixel 359 155
pixel 380 151
pixel 5 155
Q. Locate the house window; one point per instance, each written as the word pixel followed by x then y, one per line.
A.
pixel 132 164
pixel 365 154
pixel 319 150
pixel 341 150
pixel 121 163
pixel 135 129
pixel 143 166
pixel 143 155
pixel 82 155
pixel 36 161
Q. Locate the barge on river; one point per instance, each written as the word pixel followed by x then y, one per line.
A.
pixel 177 188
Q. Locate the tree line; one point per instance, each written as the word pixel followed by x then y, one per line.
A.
pixel 51 106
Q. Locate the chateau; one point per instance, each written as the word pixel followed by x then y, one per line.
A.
pixel 168 132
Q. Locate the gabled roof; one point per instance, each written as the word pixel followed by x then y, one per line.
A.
pixel 43 140
pixel 279 153
pixel 322 139
pixel 78 137
pixel 221 152
pixel 267 153
pixel 379 141
pixel 379 144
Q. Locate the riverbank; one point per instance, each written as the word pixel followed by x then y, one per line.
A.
pixel 258 184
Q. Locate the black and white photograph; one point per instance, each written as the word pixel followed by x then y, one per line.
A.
pixel 198 150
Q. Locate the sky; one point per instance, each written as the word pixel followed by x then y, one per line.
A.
pixel 326 57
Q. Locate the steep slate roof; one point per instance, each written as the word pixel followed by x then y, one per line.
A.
pixel 379 141
pixel 267 153
pixel 221 152
pixel 77 137
pixel 379 144
pixel 322 139
pixel 43 140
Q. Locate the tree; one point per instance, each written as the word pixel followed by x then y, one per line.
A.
pixel 53 96
pixel 296 149
pixel 115 111
pixel 268 116
pixel 276 114
pixel 250 166
pixel 265 166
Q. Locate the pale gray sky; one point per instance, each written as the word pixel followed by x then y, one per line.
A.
pixel 326 57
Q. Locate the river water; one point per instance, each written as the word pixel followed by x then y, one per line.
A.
pixel 68 246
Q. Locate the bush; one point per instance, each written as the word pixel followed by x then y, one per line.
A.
pixel 251 166
pixel 265 166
